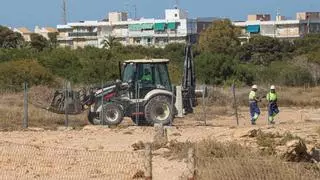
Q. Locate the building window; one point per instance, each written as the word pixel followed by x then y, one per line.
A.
pixel 175 15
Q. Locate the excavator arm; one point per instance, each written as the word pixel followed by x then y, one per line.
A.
pixel 189 81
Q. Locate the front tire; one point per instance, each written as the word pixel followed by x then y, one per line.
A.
pixel 112 114
pixel 159 111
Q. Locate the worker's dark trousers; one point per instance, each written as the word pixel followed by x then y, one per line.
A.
pixel 273 109
pixel 254 111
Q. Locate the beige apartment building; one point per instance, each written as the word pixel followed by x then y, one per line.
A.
pixel 45 31
pixel 25 32
pixel 305 23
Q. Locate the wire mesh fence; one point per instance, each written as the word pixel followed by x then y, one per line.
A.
pixel 18 161
pixel 29 108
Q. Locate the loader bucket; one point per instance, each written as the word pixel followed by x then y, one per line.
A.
pixel 66 102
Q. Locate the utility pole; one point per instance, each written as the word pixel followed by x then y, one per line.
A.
pixel 64 12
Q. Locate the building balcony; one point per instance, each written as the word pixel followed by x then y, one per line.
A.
pixel 82 34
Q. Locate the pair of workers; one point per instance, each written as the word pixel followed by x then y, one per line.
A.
pixel 272 104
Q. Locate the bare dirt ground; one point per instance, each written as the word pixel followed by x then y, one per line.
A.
pixel 98 152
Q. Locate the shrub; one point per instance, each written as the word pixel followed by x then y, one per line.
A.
pixel 14 73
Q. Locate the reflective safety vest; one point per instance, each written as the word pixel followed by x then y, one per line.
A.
pixel 252 96
pixel 146 77
pixel 272 97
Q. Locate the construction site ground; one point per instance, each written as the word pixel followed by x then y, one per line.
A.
pixel 54 147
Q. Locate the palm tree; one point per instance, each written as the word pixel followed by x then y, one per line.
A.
pixel 110 42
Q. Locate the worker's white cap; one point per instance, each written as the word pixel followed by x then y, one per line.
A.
pixel 254 87
pixel 272 87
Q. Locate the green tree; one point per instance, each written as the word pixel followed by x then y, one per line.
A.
pixel 214 68
pixel 97 65
pixel 220 37
pixel 38 42
pixel 53 40
pixel 10 39
pixel 261 50
pixel 62 62
pixel 309 43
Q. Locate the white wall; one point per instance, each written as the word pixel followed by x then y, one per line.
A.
pixel 174 14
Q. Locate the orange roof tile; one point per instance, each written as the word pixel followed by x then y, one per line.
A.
pixel 24 30
pixel 51 29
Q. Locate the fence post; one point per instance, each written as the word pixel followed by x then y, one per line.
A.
pixel 172 107
pixel 235 102
pixel 137 94
pixel 191 164
pixel 66 103
pixel 148 162
pixel 25 105
pixel 204 105
pixel 268 105
pixel 102 103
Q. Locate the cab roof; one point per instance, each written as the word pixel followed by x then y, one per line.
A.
pixel 147 61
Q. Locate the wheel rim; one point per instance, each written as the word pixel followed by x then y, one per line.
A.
pixel 162 112
pixel 112 115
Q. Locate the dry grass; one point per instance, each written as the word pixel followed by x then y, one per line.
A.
pixel 215 160
pixel 288 137
pixel 318 130
pixel 11 114
pixel 253 168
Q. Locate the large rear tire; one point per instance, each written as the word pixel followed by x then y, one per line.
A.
pixel 159 111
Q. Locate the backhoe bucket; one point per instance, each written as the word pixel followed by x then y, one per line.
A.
pixel 66 102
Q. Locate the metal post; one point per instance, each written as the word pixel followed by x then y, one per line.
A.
pixel 102 109
pixel 191 164
pixel 25 113
pixel 235 102
pixel 204 106
pixel 268 107
pixel 148 162
pixel 66 103
pixel 172 108
pixel 137 103
pixel 138 106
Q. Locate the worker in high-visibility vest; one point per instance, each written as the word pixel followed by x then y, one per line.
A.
pixel 253 104
pixel 146 76
pixel 273 109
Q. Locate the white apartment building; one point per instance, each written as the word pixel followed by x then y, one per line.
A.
pixel 175 28
pixel 280 28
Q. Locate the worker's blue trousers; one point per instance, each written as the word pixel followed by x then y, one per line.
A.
pixel 273 110
pixel 254 111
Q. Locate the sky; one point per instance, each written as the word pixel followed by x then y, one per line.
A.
pixel 29 13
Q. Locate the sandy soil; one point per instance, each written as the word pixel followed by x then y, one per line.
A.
pixel 98 152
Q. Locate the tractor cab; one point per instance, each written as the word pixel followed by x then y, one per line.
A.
pixel 145 75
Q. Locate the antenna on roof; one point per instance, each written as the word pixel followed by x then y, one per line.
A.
pixel 176 4
pixel 64 12
pixel 127 7
pixel 278 12
pixel 135 11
